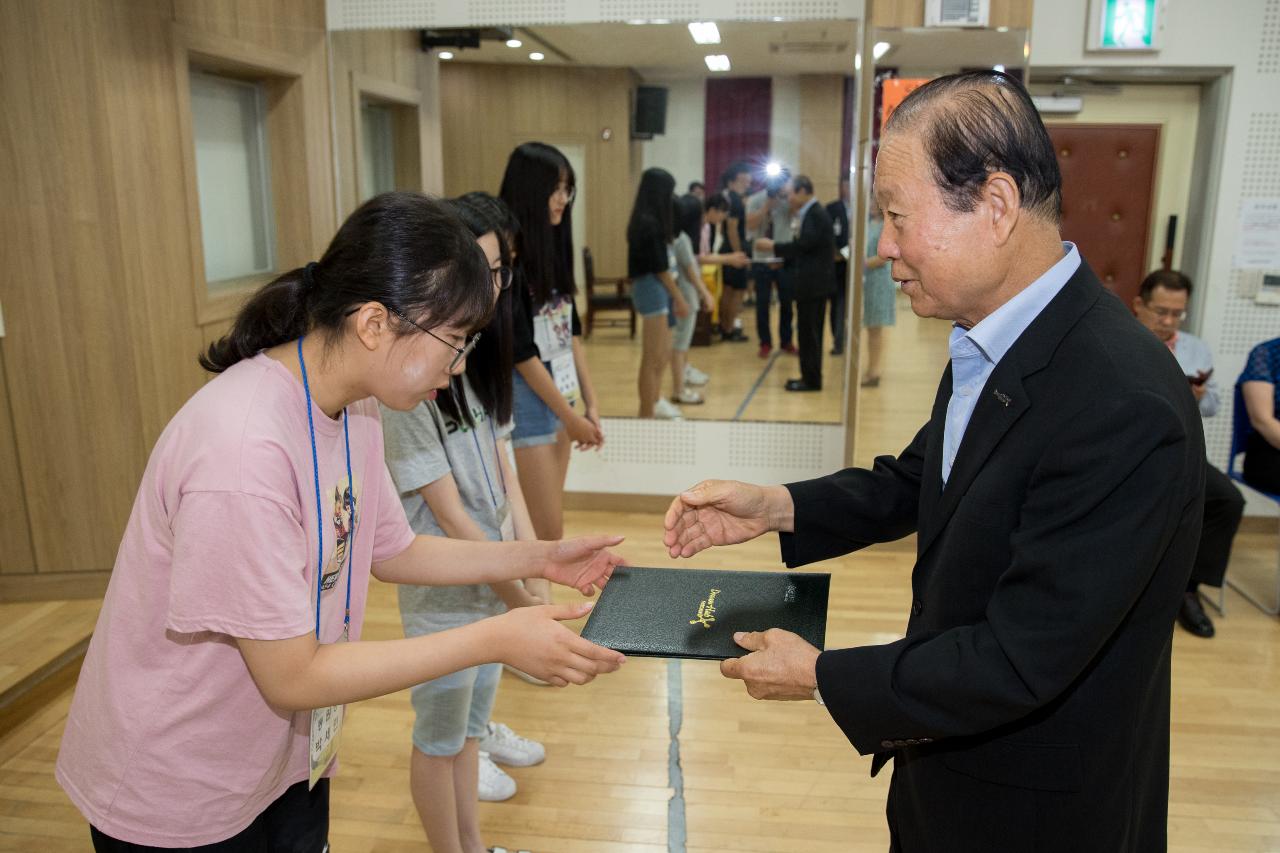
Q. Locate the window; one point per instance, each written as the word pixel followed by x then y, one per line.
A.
pixel 237 218
pixel 378 150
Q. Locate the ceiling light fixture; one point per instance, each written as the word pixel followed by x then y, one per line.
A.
pixel 446 54
pixel 997 68
pixel 704 32
pixel 514 43
pixel 536 56
pixel 717 62
pixel 881 48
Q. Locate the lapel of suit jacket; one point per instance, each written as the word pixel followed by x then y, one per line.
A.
pixel 931 479
pixel 1003 400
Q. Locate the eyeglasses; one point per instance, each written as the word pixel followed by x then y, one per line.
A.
pixel 502 277
pixel 569 193
pixel 1167 313
pixel 461 353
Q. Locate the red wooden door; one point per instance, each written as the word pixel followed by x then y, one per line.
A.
pixel 1108 186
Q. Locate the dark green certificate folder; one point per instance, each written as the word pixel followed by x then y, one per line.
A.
pixel 693 613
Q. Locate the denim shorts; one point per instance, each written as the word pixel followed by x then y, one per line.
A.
pixel 534 422
pixel 651 299
pixel 682 337
pixel 453 708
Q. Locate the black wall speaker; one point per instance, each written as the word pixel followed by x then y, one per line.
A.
pixel 650 117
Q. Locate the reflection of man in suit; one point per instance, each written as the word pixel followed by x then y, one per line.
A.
pixel 810 258
pixel 1056 494
pixel 838 210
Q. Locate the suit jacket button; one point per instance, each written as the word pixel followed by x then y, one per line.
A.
pixel 887 744
pixel 916 607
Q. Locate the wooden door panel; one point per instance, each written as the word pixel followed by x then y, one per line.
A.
pixel 1108 186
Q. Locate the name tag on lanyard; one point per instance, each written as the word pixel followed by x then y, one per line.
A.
pixel 553 336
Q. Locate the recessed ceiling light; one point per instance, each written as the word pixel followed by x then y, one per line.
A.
pixel 446 54
pixel 704 32
pixel 997 68
pixel 717 62
pixel 536 56
pixel 514 43
pixel 881 48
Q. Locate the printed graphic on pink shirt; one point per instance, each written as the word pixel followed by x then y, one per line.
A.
pixel 345 517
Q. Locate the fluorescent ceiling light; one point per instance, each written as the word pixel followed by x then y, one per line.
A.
pixel 704 32
pixel 717 62
pixel 514 43
pixel 997 68
pixel 881 48
pixel 446 54
pixel 537 56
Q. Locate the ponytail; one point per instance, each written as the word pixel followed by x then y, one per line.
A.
pixel 401 249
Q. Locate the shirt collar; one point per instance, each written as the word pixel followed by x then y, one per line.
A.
pixel 802 211
pixel 998 332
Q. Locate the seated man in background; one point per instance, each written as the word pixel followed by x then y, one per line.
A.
pixel 1161 306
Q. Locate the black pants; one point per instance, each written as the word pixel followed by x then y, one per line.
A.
pixel 1223 506
pixel 1261 468
pixel 839 301
pixel 765 278
pixel 297 822
pixel 809 331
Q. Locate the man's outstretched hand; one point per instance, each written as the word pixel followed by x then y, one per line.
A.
pixel 724 512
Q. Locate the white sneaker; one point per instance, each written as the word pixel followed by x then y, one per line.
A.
pixel 505 746
pixel 694 376
pixel 690 397
pixel 665 409
pixel 495 784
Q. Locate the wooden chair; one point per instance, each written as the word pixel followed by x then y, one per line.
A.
pixel 606 294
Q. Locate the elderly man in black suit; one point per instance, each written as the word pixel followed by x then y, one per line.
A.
pixel 810 255
pixel 1056 494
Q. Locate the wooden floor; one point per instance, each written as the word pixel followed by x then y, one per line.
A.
pixel 755 776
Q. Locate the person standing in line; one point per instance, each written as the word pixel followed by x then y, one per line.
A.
pixel 208 708
pixel 772 218
pixel 555 403
pixel 839 212
pixel 879 295
pixel 735 181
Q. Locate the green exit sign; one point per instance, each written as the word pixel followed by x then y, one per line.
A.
pixel 1123 25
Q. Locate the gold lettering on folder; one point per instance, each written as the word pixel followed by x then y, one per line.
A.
pixel 706 610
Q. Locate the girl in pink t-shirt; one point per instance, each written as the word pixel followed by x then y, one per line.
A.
pixel 263 510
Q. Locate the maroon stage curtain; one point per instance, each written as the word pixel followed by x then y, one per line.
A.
pixel 738 113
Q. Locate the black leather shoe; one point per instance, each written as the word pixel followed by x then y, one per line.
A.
pixel 801 385
pixel 1192 616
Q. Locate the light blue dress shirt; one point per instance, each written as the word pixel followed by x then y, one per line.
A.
pixel 976 352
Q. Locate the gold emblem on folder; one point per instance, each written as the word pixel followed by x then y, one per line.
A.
pixel 706 610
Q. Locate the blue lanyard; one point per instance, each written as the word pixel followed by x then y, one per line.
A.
pixel 351 485
pixel 485 468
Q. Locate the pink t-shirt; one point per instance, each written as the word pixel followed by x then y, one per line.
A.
pixel 169 742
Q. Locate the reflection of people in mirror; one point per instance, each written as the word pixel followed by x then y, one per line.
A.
pixel 555 403
pixel 1056 494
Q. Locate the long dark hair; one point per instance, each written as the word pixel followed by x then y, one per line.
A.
pixel 402 249
pixel 545 252
pixel 654 202
pixel 689 219
pixel 490 363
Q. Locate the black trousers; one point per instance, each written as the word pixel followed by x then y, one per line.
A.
pixel 1223 507
pixel 809 334
pixel 1261 468
pixel 765 279
pixel 839 300
pixel 297 822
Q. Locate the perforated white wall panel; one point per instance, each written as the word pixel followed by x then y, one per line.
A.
pixel 654 457
pixel 1269 51
pixel 401 14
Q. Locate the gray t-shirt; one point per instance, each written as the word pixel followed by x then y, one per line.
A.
pixel 423 445
pixel 685 258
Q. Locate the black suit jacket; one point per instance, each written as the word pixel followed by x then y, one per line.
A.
pixel 1027 708
pixel 812 255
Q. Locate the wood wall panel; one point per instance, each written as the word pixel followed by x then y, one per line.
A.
pixel 17 555
pixel 821 123
pixel 486 110
pixel 389 57
pixel 98 290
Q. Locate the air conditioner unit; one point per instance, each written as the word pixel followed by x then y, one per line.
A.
pixel 957 13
